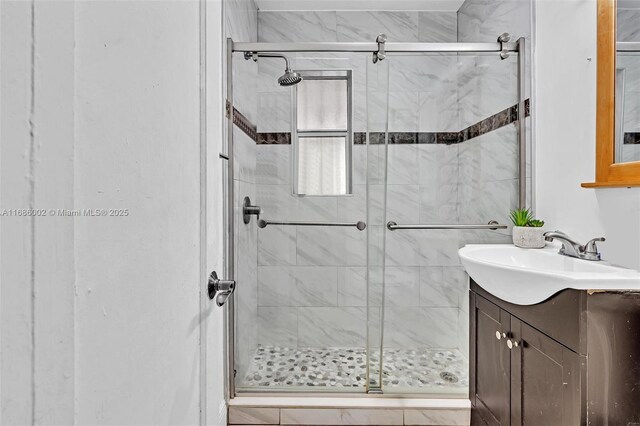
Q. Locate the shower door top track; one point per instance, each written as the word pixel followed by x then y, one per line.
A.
pixel 390 47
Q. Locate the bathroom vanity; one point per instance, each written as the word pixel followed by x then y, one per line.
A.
pixel 571 359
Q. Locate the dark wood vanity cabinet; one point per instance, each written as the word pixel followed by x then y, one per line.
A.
pixel 545 379
pixel 490 376
pixel 571 360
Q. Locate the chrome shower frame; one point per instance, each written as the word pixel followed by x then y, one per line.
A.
pixel 518 46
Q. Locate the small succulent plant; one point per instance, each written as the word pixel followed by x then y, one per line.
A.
pixel 521 217
pixel 524 217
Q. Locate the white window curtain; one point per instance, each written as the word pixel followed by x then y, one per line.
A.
pixel 321 166
pixel 322 105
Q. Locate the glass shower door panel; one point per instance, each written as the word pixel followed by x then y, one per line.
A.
pixel 376 155
pixel 244 235
pixel 452 159
pixel 301 315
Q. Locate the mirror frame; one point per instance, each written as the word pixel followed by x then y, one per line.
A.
pixel 608 173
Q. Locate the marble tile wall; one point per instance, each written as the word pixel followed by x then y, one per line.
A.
pixel 629 30
pixel 312 281
pixel 416 93
pixel 241 18
pixel 471 182
pixel 319 274
pixel 487 184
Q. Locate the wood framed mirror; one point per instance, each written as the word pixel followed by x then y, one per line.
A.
pixel 618 95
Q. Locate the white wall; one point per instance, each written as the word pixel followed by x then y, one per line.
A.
pixel 37 264
pixel 105 319
pixel 137 132
pixel 565 135
pixel 16 232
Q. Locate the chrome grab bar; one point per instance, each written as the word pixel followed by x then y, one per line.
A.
pixel 263 224
pixel 392 226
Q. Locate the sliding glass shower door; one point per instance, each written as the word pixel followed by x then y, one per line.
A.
pixel 452 156
pixel 306 312
pixel 377 101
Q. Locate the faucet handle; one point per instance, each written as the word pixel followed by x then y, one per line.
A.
pixel 591 246
pixel 590 250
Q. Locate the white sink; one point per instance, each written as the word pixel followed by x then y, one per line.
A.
pixel 530 276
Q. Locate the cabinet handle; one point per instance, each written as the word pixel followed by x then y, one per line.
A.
pixel 500 335
pixel 512 344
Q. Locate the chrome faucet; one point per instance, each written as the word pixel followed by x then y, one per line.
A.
pixel 571 248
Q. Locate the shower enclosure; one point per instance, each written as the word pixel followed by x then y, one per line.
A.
pixel 348 195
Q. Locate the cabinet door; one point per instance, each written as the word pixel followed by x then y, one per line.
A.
pixel 545 379
pixel 490 363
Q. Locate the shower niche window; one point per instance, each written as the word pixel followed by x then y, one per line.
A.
pixel 322 134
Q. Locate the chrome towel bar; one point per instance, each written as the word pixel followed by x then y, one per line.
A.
pixel 360 225
pixel 392 226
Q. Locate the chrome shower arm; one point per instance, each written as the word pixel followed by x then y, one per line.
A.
pixel 256 55
pixel 289 78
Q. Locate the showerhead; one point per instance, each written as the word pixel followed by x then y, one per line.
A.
pixel 289 78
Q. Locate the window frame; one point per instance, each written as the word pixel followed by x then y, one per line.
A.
pixel 332 74
pixel 609 174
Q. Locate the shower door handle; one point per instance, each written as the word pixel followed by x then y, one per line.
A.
pixel 223 288
pixel 492 225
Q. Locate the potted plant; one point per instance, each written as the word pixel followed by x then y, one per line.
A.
pixel 527 230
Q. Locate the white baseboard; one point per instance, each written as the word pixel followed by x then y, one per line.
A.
pixel 347 402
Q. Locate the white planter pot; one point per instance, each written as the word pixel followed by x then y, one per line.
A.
pixel 528 237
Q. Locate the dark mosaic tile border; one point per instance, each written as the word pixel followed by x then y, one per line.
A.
pixel 274 139
pixel 243 123
pixel 632 138
pixel 400 138
pixel 496 121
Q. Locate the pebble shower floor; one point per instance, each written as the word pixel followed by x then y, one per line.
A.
pixel 276 366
